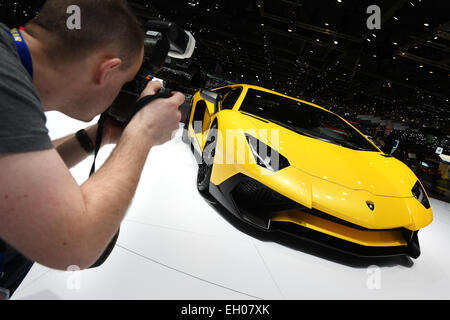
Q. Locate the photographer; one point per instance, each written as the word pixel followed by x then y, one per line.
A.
pixel 45 216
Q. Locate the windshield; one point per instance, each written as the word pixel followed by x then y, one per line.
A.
pixel 304 119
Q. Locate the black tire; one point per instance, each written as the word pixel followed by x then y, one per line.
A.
pixel 185 136
pixel 207 162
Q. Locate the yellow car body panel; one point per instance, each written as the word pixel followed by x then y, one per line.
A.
pixel 333 179
pixel 384 238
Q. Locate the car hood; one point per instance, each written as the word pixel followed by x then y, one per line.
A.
pixel 358 170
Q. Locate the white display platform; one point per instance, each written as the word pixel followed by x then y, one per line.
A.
pixel 174 245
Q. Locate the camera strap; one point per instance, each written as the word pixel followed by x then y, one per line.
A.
pixel 22 50
pixel 163 93
pixel 98 140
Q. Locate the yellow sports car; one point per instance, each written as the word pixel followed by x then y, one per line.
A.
pixel 280 163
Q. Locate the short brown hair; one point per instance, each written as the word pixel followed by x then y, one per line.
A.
pixel 104 24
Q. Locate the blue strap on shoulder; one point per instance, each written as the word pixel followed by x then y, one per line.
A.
pixel 23 51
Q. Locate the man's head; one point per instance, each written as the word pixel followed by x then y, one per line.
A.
pixel 388 129
pixel 96 59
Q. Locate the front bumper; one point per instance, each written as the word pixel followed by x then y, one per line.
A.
pixel 268 210
pixel 412 248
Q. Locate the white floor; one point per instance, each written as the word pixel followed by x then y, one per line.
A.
pixel 174 245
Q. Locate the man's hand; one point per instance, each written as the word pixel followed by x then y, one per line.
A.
pixel 113 131
pixel 159 119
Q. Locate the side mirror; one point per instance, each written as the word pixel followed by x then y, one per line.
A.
pixel 210 96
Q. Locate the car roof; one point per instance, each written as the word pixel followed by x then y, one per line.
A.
pixel 250 86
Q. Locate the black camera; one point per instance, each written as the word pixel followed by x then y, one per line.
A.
pixel 164 40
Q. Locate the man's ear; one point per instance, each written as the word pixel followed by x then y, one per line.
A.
pixel 104 70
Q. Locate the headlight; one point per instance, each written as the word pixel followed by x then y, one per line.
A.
pixel 420 195
pixel 265 156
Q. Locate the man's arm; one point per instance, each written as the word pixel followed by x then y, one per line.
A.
pixel 72 152
pixel 50 219
pixel 70 149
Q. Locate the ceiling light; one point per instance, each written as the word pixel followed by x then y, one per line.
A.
pixel 421 65
pixel 326 23
pixel 435 38
pixel 396 18
pixel 290 30
pixel 339 1
pixel 335 42
pixel 431 72
pixel 426 24
pixel 395 43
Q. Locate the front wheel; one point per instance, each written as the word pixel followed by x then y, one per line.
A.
pixel 207 162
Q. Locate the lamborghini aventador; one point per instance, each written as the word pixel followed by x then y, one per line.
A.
pixel 284 164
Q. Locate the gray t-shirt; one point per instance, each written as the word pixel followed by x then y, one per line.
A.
pixel 22 129
pixel 22 118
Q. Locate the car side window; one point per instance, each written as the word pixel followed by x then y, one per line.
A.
pixel 230 98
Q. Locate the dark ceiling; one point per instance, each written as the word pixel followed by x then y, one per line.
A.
pixel 322 50
pixel 318 50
